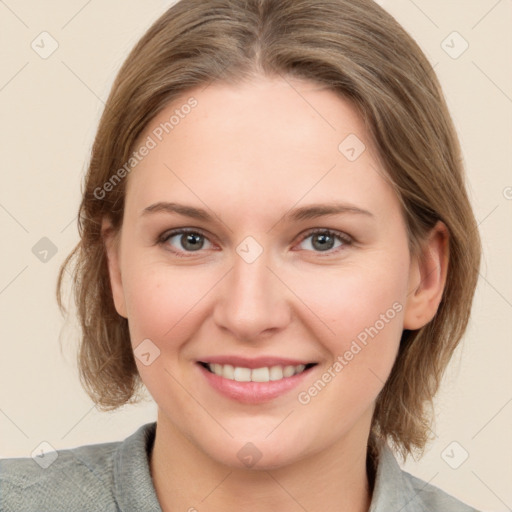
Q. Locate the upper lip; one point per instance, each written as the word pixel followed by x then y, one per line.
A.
pixel 256 362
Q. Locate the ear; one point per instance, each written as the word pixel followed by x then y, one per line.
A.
pixel 427 278
pixel 111 240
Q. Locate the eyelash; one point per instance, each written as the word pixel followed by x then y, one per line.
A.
pixel 343 237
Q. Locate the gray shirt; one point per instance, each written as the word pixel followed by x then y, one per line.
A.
pixel 112 477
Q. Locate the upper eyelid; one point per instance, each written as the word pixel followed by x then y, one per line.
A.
pixel 178 231
pixel 166 235
pixel 313 231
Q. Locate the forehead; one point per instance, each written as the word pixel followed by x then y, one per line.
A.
pixel 273 139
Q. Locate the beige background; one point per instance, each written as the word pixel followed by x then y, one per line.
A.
pixel 49 111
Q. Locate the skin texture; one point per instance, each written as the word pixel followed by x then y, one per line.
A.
pixel 248 154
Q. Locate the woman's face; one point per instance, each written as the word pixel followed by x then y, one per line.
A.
pixel 296 255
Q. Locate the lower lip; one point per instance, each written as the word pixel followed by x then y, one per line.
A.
pixel 252 392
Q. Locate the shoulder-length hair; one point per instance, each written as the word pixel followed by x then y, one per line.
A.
pixel 355 48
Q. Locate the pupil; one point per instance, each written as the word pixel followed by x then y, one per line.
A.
pixel 192 239
pixel 323 245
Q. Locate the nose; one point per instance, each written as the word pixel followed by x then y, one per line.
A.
pixel 252 302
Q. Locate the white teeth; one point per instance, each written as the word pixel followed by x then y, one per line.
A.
pixel 288 371
pixel 226 371
pixel 260 375
pixel 242 374
pixel 264 374
pixel 276 373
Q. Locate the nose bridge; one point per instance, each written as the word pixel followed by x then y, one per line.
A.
pixel 253 299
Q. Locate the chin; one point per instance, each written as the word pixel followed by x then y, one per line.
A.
pixel 249 457
pixel 258 453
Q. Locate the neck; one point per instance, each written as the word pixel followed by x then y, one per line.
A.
pixel 185 478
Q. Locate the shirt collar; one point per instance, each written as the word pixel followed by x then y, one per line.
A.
pixel 133 486
pixel 392 491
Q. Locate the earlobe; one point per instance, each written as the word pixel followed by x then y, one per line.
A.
pixel 427 278
pixel 112 249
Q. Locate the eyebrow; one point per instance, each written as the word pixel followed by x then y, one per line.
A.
pixel 312 211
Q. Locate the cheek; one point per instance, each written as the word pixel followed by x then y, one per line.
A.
pixel 365 317
pixel 163 301
pixel 151 307
pixel 163 305
pixel 361 309
pixel 348 300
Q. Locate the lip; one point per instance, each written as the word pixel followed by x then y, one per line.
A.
pixel 256 362
pixel 253 392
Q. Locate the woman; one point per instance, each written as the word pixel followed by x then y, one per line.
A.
pixel 277 242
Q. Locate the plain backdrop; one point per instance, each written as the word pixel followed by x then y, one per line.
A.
pixel 50 106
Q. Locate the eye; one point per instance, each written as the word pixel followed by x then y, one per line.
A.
pixel 324 240
pixel 185 241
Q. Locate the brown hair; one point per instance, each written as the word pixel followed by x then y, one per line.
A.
pixel 353 47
